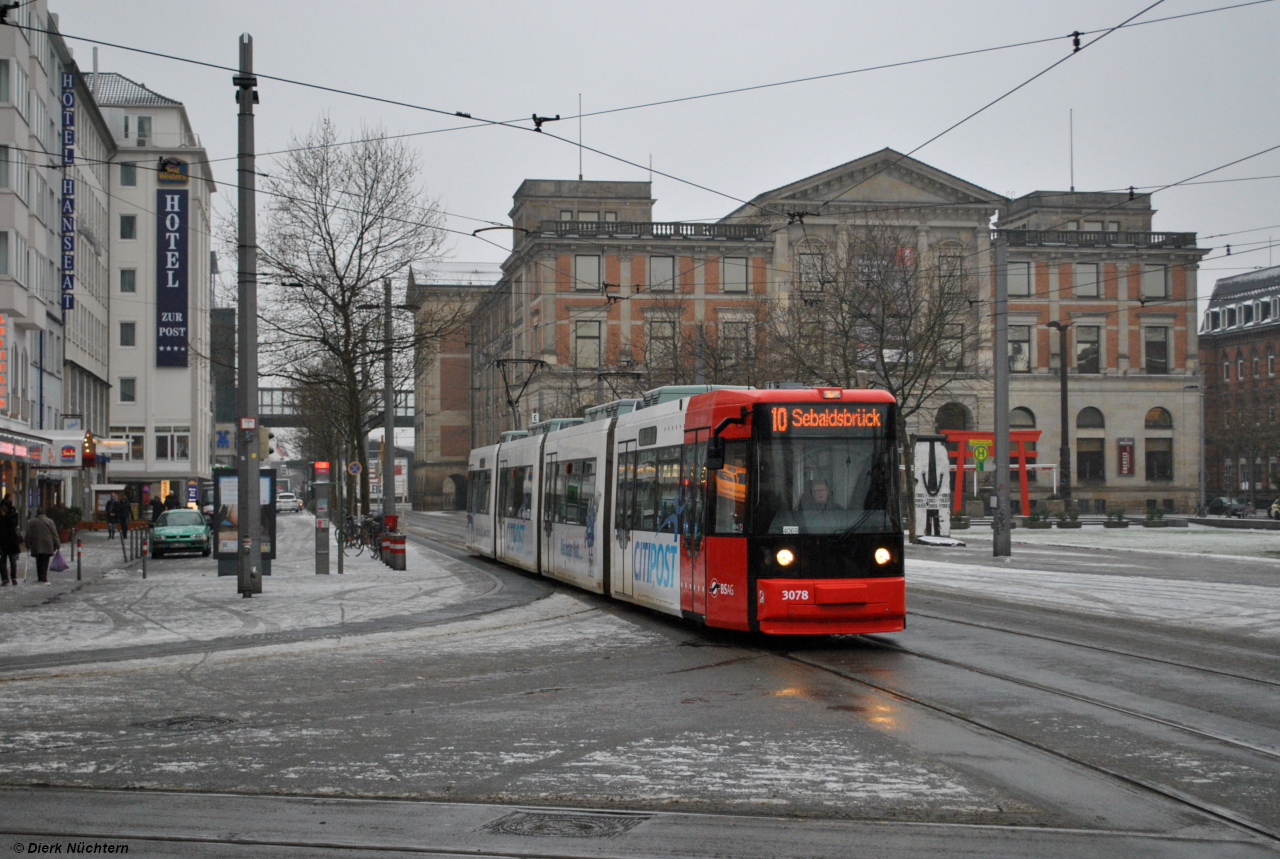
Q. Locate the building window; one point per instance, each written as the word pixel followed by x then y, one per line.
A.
pixel 736 341
pixel 589 216
pixel 662 273
pixel 4 252
pixel 1257 374
pixel 1159 459
pixel 1215 320
pixel 1019 279
pixel 1020 348
pixel 1231 317
pixel 4 80
pixel 173 443
pixel 1154 281
pixel 1239 366
pixel 129 174
pixel 1088 357
pixel 951 348
pixel 136 437
pixel 128 280
pixel 586 272
pixel 1158 418
pixel 1090 418
pixel 1271 362
pixel 1091 460
pixel 1226 369
pixel 4 166
pixel 610 217
pixel 586 344
pixel 128 389
pixel 1264 311
pixel 1086 280
pixel 144 130
pixel 566 214
pixel 1246 314
pixel 809 271
pixel 128 226
pixel 661 346
pixel 735 274
pixel 1155 342
pixel 128 334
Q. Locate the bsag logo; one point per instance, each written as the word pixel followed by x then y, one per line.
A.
pixel 720 588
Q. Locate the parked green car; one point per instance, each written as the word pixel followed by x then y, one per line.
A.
pixel 181 531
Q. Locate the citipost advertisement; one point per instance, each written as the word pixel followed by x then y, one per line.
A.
pixel 932 486
pixel 226 494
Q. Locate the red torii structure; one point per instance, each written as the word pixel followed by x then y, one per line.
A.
pixel 960 456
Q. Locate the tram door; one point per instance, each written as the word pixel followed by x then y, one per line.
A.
pixel 693 525
pixel 550 502
pixel 623 520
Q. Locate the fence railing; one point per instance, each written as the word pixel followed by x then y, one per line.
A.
pixel 654 230
pixel 1094 239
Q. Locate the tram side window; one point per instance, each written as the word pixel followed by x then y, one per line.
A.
pixel 575 490
pixel 626 491
pixel 668 487
pixel 731 489
pixel 478 491
pixel 515 492
pixel 646 491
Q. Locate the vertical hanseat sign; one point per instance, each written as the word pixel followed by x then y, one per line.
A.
pixel 171 277
pixel 68 208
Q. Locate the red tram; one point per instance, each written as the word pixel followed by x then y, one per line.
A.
pixel 771 511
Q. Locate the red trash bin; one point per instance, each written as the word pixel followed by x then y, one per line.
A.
pixel 392 521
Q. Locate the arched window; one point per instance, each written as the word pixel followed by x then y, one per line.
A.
pixel 1226 369
pixel 1271 361
pixel 1159 418
pixel 1090 418
pixel 1256 365
pixel 1022 418
pixel 1239 365
pixel 953 416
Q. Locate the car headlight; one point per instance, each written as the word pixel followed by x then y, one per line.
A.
pixel 883 556
pixel 785 557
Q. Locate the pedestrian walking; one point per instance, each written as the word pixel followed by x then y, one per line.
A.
pixel 42 542
pixel 10 543
pixel 113 515
pixel 171 503
pixel 124 513
pixel 157 507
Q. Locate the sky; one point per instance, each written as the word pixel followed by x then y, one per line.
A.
pixel 1153 105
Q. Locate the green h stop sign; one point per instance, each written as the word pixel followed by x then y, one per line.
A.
pixel 981 453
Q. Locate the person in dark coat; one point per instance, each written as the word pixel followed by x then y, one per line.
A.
pixel 124 513
pixel 42 541
pixel 113 515
pixel 10 543
pixel 157 507
pixel 171 503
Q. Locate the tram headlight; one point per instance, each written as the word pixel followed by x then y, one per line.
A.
pixel 785 557
pixel 883 556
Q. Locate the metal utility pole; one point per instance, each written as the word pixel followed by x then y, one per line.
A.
pixel 1000 523
pixel 248 500
pixel 1064 449
pixel 389 408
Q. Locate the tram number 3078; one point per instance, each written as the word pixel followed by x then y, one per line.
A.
pixel 795 595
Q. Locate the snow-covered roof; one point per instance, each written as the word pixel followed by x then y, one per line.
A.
pixel 115 90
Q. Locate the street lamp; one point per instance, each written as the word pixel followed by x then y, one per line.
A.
pixel 1064 452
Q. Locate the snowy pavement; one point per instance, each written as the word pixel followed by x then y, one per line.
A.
pixel 184 600
pixel 1210 606
pixel 1192 540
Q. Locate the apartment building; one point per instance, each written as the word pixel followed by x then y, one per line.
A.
pixel 160 292
pixel 1239 340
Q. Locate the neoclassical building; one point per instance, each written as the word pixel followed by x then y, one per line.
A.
pixel 595 292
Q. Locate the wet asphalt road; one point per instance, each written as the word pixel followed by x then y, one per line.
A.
pixel 987 727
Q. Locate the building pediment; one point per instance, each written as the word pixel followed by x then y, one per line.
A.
pixel 886 177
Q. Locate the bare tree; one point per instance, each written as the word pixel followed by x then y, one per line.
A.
pixel 342 218
pixel 870 306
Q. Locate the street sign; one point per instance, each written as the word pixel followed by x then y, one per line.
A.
pixel 981 452
pixel 354 469
pixel 248 423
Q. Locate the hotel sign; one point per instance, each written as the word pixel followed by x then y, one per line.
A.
pixel 171 277
pixel 68 217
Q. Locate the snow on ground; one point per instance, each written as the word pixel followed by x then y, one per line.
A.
pixel 1214 607
pixel 183 599
pixel 1192 540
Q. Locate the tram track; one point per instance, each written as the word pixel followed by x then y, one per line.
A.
pixel 1098 648
pixel 1210 809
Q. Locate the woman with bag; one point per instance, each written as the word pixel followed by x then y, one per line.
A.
pixel 42 542
pixel 10 543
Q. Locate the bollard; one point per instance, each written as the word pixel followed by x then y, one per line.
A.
pixel 144 555
pixel 79 552
pixel 394 550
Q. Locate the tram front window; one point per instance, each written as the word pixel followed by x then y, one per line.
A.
pixel 825 486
